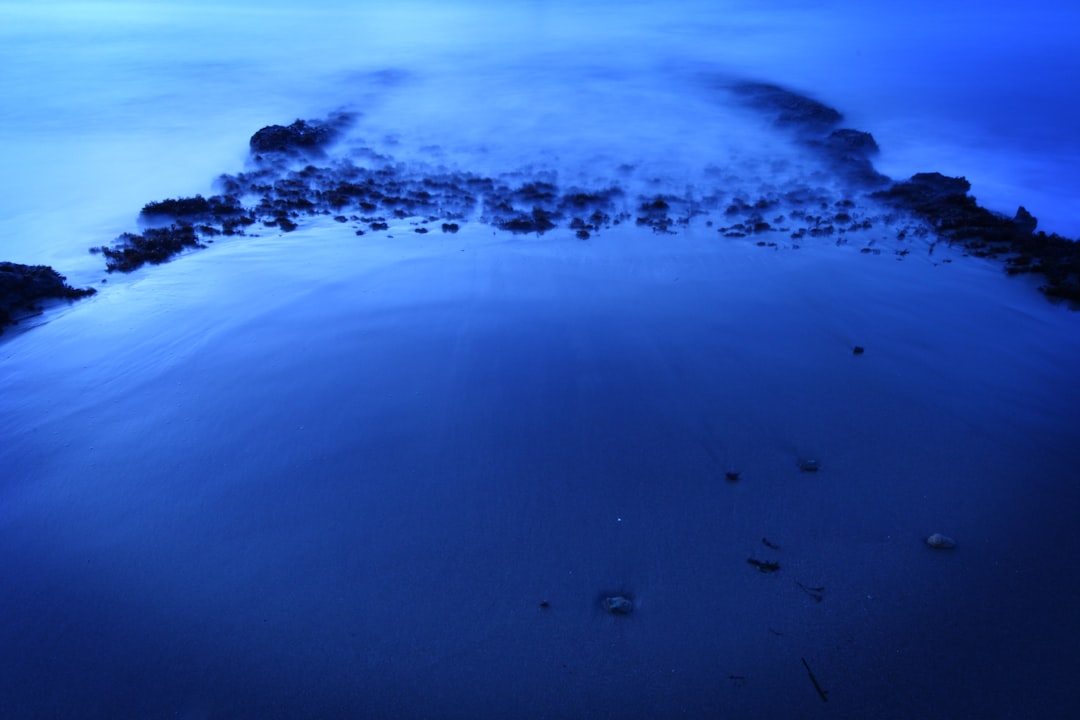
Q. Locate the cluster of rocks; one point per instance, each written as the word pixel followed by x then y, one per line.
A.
pixel 955 216
pixel 276 192
pixel 372 195
pixel 943 202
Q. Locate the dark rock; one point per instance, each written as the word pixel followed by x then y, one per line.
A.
pixel 536 192
pixel 941 542
pixel 23 286
pixel 956 216
pixel 180 207
pixel 618 605
pixel 1025 221
pixel 858 350
pixel 220 207
pixel 845 142
pixel 303 136
pixel 154 246
pixel 765 566
pixel 929 194
pixel 848 152
pixel 539 222
pixel 788 108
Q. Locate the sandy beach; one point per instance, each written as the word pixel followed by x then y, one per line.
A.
pixel 397 477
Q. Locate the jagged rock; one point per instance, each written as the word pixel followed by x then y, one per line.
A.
pixel 788 108
pixel 929 193
pixel 1024 220
pixel 217 206
pixel 154 246
pixel 849 152
pixel 944 203
pixel 302 136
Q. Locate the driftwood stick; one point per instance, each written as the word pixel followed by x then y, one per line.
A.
pixel 817 686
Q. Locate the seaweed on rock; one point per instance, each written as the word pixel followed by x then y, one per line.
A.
pixel 23 287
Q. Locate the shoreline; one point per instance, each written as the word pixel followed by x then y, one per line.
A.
pixel 294 176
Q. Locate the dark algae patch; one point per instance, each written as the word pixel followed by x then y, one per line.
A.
pixel 24 287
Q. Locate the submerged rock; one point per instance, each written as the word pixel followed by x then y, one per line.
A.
pixel 618 605
pixel 940 542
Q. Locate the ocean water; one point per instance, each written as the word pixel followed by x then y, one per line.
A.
pixel 111 105
pixel 315 474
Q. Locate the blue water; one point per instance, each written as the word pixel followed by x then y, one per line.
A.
pixel 315 475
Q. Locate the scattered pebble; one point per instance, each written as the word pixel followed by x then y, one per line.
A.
pixel 618 605
pixel 940 542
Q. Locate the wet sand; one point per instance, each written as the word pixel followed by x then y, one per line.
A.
pixel 343 483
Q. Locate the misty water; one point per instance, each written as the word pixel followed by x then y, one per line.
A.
pixel 317 474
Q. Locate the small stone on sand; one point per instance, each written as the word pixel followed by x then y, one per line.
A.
pixel 618 605
pixel 940 542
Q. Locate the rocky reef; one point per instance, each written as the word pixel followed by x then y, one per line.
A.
pixel 372 194
pixel 293 176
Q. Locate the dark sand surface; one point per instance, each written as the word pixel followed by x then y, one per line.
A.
pixel 342 486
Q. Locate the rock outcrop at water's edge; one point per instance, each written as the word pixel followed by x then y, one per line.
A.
pixel 942 202
pixel 306 137
pixel 372 197
pixel 945 204
pixel 24 287
pixel 276 192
